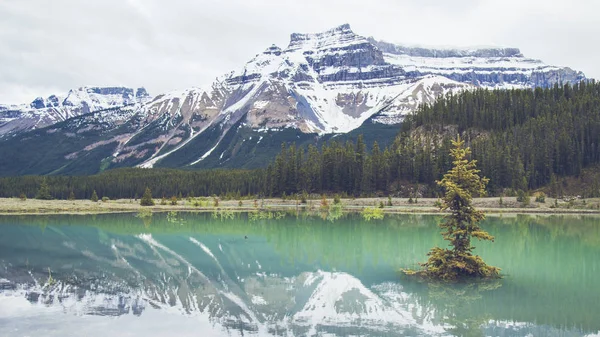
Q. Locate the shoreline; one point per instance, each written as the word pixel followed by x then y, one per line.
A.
pixel 490 206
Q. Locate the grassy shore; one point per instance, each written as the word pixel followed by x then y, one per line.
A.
pixel 399 205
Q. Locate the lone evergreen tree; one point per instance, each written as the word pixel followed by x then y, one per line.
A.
pixel 460 183
pixel 94 197
pixel 72 195
pixel 147 198
pixel 44 191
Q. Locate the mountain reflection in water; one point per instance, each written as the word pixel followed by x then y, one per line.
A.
pixel 197 274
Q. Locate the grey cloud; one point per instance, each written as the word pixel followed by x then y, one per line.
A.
pixel 52 46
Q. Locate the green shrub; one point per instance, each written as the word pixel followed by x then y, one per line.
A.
pixel 389 202
pixel 324 203
pixel 22 196
pixel 105 199
pixel 371 213
pixel 173 200
pixel 541 197
pixel 336 199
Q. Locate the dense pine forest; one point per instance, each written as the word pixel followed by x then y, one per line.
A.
pixel 522 140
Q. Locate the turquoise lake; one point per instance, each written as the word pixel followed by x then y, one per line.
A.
pixel 223 274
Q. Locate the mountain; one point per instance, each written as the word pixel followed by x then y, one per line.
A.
pixel 319 86
pixel 43 112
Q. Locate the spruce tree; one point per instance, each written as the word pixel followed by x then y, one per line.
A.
pixel 94 197
pixel 147 198
pixel 44 191
pixel 460 183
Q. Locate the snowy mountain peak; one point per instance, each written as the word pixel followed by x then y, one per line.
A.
pixel 42 111
pixel 335 36
pixel 328 82
pixel 273 50
pixel 96 98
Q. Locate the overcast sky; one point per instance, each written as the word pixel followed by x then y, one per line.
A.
pixel 51 46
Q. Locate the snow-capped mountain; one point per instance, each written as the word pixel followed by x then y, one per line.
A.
pixel 43 112
pixel 323 83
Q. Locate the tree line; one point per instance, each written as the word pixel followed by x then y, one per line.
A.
pixel 522 139
pixel 131 183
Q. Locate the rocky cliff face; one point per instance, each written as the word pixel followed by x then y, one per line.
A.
pixel 488 67
pixel 328 82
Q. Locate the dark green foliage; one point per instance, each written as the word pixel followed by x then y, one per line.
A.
pixel 44 191
pixel 173 200
pixel 461 183
pixel 523 197
pixel 147 198
pixel 105 199
pixel 71 195
pixel 131 183
pixel 521 138
pixel 303 197
pixel 389 202
pixel 94 197
pixel 336 199
pixel 381 204
pixel 335 168
pixel 22 196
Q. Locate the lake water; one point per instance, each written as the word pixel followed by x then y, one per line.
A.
pixel 294 275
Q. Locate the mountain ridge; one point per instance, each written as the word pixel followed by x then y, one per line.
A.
pixel 321 83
